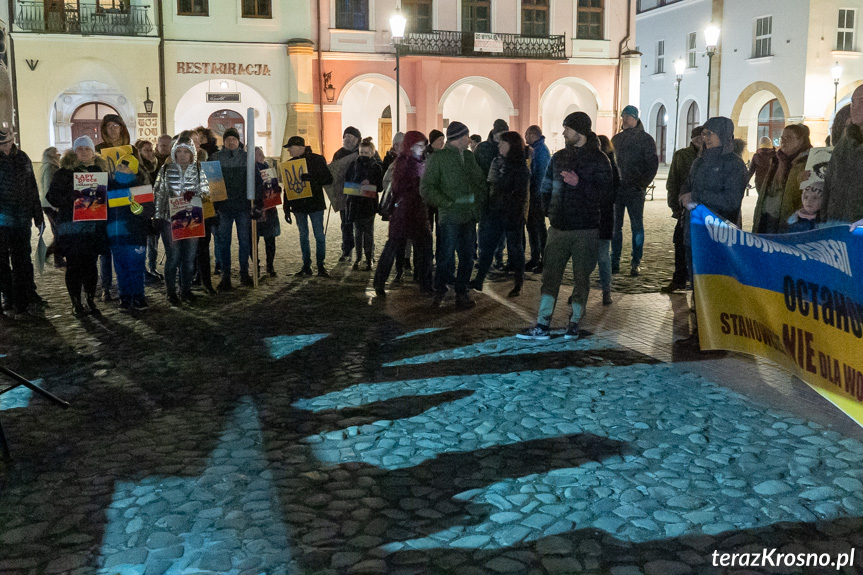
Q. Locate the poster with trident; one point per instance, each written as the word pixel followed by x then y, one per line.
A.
pixel 295 187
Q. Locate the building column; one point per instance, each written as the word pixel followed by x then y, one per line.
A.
pixel 302 119
pixel 530 93
pixel 428 95
pixel 630 81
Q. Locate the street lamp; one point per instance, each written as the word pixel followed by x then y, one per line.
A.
pixel 679 67
pixel 836 72
pixel 148 103
pixel 397 28
pixel 711 37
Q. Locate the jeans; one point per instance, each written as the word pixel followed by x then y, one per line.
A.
pixel 460 238
pixel 579 245
pixel 244 239
pixel 364 238
pixel 347 235
pixel 203 255
pixel 302 220
pixel 633 202
pixel 603 260
pixel 129 261
pixel 492 233
pixel 16 269
pixel 537 234
pixel 180 258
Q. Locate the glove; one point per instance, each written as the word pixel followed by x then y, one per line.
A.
pixel 305 177
pixel 256 214
pixel 39 221
pixel 188 196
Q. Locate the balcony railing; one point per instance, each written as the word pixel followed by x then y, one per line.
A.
pixel 448 43
pixel 84 19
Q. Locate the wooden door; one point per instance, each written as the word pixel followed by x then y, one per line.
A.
pixel 385 135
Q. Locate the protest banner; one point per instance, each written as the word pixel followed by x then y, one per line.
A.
pixel 272 192
pixel 187 218
pixel 213 171
pixel 111 155
pixel 91 196
pixel 295 187
pixel 124 196
pixel 361 190
pixel 796 299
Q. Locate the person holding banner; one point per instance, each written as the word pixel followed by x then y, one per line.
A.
pixel 681 163
pixel 308 205
pixel 268 224
pixel 717 180
pixel 363 183
pixel 843 199
pixel 80 242
pixel 130 209
pixel 181 179
pixel 342 159
pixel 780 194
pixel 578 196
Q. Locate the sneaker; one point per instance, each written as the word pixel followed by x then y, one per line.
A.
pixel 514 292
pixel 368 266
pixel 125 304
pixel 356 265
pixel 344 257
pixel 246 280
pixel 635 271
pixel 380 292
pixel 140 302
pixel 106 296
pixel 606 298
pixel 571 331
pixel 530 265
pixel 173 301
pixel 306 271
pixel 463 301
pixel 322 272
pixel 188 297
pixel 152 278
pixel 538 332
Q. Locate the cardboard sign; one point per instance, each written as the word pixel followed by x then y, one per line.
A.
pixel 187 218
pixel 272 192
pixel 295 188
pixel 213 171
pixel 124 196
pixel 111 155
pixel 364 191
pixel 816 165
pixel 91 196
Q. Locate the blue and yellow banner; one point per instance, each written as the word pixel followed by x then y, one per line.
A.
pixel 796 299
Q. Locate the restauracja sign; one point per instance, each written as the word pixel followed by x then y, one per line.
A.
pixel 223 68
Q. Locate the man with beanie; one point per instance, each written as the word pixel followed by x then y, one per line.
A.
pixel 19 205
pixel 236 208
pixel 310 209
pixel 635 153
pixel 436 141
pixel 681 163
pixel 537 235
pixel 576 193
pixel 454 184
pixel 342 159
pixel 485 154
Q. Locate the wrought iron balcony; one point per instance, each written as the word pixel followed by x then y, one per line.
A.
pixel 449 43
pixel 85 19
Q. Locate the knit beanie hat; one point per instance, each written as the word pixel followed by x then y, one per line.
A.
pixel 499 126
pixel 456 130
pixel 434 135
pixel 353 132
pixel 630 111
pixel 578 121
pixel 83 141
pixel 231 132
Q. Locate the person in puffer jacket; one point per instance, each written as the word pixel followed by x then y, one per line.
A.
pixel 359 210
pixel 80 242
pixel 127 233
pixel 182 177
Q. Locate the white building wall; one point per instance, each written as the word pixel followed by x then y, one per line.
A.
pixel 225 23
pixel 659 89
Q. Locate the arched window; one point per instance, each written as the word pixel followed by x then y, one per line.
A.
pixel 771 121
pixel 693 120
pixel 87 119
pixel 352 14
pixel 223 119
pixel 661 132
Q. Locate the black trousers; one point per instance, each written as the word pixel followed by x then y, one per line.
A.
pixel 202 257
pixel 82 255
pixel 537 234
pixel 16 269
pixel 681 270
pixel 422 260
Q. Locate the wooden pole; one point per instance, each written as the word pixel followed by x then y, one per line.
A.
pixel 250 187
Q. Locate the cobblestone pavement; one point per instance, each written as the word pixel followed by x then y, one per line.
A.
pixel 309 427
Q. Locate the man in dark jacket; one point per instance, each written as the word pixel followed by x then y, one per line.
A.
pixel 236 208
pixel 342 159
pixel 843 200
pixel 19 205
pixel 677 174
pixel 635 152
pixel 576 191
pixel 310 209
pixel 536 232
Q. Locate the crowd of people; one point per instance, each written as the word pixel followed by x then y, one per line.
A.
pixel 454 203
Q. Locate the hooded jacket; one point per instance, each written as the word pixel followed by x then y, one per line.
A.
pixel 125 139
pixel 718 178
pixel 173 182
pixel 578 207
pixel 234 172
pixel 319 176
pixel 637 161
pixel 454 183
pixel 61 195
pixel 19 194
pixel 409 219
pixel 843 200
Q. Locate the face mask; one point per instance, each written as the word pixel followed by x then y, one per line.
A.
pixel 124 178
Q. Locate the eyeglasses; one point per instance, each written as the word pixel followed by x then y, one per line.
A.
pixel 706 133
